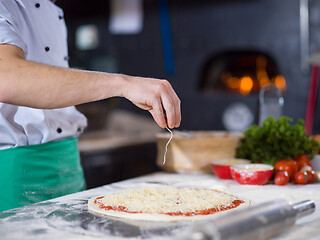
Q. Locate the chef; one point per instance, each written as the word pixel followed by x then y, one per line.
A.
pixel 39 124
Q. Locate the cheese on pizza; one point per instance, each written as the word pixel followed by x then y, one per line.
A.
pixel 169 200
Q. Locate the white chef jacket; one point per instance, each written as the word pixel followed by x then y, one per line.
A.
pixel 38 28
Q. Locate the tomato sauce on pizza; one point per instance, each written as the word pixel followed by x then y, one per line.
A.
pixel 208 211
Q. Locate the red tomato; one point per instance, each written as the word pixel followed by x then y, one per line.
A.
pixel 301 177
pixel 302 160
pixel 287 165
pixel 281 178
pixel 311 176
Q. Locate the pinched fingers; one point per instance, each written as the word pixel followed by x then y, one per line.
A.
pixel 170 109
pixel 157 114
pixel 171 105
pixel 177 109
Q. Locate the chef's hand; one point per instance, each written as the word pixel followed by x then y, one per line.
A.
pixel 156 96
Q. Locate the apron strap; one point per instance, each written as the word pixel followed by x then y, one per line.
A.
pixel 35 173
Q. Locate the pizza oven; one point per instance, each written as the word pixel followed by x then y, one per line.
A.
pixel 240 72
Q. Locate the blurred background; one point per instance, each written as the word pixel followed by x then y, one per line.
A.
pixel 217 54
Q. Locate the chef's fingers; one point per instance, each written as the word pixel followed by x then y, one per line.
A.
pixel 170 110
pixel 177 108
pixel 157 113
pixel 171 104
pixel 178 117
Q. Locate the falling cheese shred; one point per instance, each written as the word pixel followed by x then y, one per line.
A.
pixel 167 199
pixel 165 153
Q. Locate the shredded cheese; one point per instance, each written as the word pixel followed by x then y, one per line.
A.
pixel 167 199
pixel 165 153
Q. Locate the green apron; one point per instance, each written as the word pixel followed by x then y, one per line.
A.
pixel 35 173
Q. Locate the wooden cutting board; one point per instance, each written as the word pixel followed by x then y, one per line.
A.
pixel 195 152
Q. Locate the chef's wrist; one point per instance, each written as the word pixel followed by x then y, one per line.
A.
pixel 118 85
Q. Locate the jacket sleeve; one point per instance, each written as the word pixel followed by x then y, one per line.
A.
pixel 10 24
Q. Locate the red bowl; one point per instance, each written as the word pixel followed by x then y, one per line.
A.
pixel 221 167
pixel 252 174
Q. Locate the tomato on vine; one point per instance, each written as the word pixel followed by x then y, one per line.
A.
pixel 302 160
pixel 287 165
pixel 301 177
pixel 311 176
pixel 281 178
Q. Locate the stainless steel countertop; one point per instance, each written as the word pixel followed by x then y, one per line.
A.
pixel 68 217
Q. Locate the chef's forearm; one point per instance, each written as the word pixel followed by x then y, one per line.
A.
pixel 36 85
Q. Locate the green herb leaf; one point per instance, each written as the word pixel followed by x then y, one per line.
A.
pixel 276 140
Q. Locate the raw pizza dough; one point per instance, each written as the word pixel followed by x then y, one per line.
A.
pixel 151 203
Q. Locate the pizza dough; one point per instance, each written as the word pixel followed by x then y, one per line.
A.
pixel 166 204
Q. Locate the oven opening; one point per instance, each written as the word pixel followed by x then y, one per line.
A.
pixel 241 72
